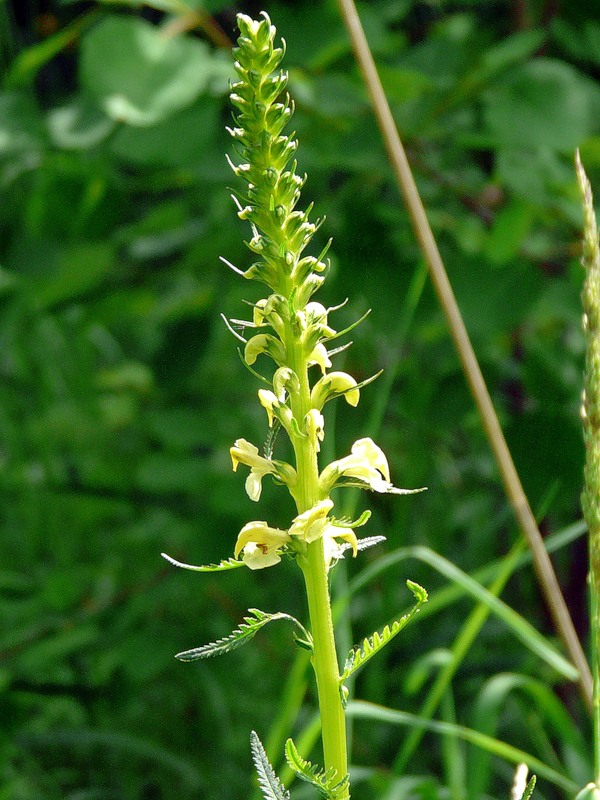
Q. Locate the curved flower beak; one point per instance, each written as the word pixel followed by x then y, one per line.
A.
pixel 335 384
pixel 260 544
pixel 368 465
pixel 319 356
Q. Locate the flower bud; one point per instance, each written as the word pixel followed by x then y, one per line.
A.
pixel 334 384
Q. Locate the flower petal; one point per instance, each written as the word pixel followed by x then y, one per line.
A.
pixel 261 534
pixel 310 525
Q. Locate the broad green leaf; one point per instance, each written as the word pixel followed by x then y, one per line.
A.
pixel 70 278
pixel 543 103
pixel 21 125
pixel 193 129
pixel 511 226
pixel 78 125
pixel 140 76
pixel 581 42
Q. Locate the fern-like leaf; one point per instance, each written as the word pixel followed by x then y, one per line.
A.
pixel 246 631
pixel 223 566
pixel 360 654
pixel 270 785
pixel 325 782
pixel 363 544
pixel 529 789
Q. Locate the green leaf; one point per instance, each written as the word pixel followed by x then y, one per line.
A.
pixel 529 788
pixel 521 628
pixel 21 125
pixel 271 786
pixel 69 279
pixel 140 76
pixel 247 631
pixel 544 103
pixel 31 59
pixel 78 125
pixel 373 644
pixel 222 566
pixel 193 128
pixel 325 782
pixel 359 709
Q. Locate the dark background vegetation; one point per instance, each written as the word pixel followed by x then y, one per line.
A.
pixel 121 389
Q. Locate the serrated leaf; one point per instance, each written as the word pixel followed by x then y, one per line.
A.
pixel 246 631
pixel 529 788
pixel 360 654
pixel 222 566
pixel 270 785
pixel 325 782
pixel 364 544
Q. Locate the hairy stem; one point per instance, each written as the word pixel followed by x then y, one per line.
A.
pixel 333 723
pixel 314 569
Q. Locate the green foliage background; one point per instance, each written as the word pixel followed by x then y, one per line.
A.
pixel 121 390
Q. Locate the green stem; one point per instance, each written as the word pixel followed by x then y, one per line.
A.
pixel 595 647
pixel 314 569
pixel 333 722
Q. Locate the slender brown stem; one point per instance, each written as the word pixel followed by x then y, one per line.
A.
pixel 512 485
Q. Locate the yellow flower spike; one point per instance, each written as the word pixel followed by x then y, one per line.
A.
pixel 333 385
pixel 315 427
pixel 261 544
pixel 310 525
pixel 319 356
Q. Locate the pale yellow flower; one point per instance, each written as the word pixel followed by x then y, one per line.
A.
pixel 368 465
pixel 334 384
pixel 261 544
pixel 315 524
pixel 275 408
pixel 315 427
pixel 244 452
pixel 319 356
